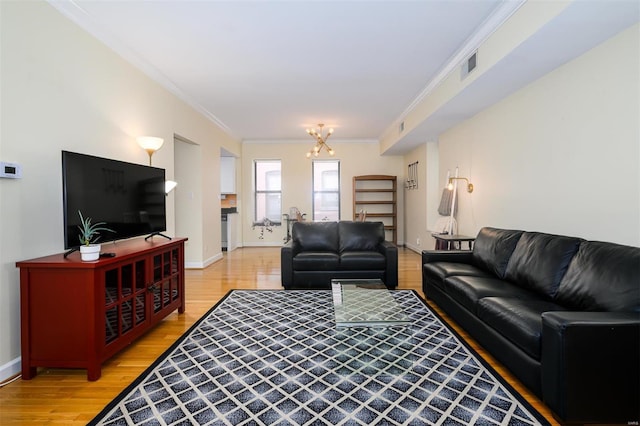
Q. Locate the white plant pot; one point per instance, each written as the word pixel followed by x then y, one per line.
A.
pixel 90 252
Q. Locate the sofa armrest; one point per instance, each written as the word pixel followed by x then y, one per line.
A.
pixel 455 256
pixel 590 368
pixel 390 252
pixel 286 264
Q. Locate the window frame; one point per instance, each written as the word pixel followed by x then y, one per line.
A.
pixel 338 191
pixel 266 192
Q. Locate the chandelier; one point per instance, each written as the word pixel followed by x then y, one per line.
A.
pixel 321 141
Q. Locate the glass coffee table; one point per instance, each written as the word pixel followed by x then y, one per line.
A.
pixel 365 303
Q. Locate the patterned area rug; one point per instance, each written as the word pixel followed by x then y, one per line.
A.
pixel 276 357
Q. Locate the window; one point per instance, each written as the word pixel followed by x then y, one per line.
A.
pixel 268 191
pixel 326 190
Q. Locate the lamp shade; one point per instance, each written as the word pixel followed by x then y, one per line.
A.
pixel 150 143
pixel 169 185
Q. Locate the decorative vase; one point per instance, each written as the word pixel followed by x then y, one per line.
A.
pixel 90 252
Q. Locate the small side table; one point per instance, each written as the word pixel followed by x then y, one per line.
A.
pixel 454 242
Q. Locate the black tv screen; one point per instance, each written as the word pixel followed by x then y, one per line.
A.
pixel 129 197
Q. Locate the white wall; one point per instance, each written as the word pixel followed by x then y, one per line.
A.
pixel 562 155
pixel 415 205
pixel 419 215
pixel 356 158
pixel 64 90
pixel 190 195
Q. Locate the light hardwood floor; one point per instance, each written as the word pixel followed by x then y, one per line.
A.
pixel 65 397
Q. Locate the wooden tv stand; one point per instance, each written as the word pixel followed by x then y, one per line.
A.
pixel 77 314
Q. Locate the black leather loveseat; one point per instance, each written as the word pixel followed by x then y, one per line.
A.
pixel 320 251
pixel 562 313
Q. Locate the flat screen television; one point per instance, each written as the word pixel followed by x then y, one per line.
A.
pixel 129 197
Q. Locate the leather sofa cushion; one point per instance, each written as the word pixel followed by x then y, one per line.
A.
pixel 436 272
pixel 602 277
pixel 518 320
pixel 316 261
pixel 362 260
pixel 539 261
pixel 315 236
pixel 360 236
pixel 469 290
pixel 492 249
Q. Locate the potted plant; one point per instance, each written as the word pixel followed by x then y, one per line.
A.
pixel 264 224
pixel 89 235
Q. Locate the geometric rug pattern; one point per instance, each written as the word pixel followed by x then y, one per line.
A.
pixel 267 357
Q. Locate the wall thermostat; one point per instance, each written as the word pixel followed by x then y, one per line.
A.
pixel 10 170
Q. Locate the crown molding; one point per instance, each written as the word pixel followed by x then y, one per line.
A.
pixel 488 27
pixel 73 11
pixel 305 141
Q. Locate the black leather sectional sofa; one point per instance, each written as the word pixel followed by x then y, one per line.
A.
pixel 320 251
pixel 562 313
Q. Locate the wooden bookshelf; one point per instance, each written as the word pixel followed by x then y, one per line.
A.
pixel 377 195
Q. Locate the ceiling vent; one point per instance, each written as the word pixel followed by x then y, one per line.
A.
pixel 469 65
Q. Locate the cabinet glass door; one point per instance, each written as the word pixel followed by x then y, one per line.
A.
pixel 140 290
pixel 125 299
pixel 112 307
pixel 166 280
pixel 174 288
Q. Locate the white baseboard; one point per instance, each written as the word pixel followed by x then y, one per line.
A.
pixel 213 259
pixel 412 247
pixel 262 244
pixel 202 265
pixel 10 369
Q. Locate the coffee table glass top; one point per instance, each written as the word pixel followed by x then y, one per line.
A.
pixel 365 303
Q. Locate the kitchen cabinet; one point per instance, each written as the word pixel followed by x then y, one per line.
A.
pixel 227 175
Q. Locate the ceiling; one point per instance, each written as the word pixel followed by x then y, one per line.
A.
pixel 266 70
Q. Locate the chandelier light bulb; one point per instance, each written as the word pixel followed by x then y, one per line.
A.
pixel 318 135
pixel 450 186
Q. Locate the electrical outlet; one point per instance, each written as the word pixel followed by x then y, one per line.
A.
pixel 418 241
